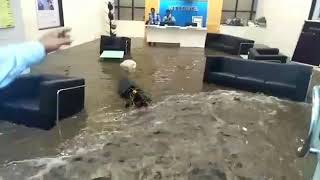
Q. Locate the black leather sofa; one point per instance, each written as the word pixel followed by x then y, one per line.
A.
pixel 116 44
pixel 267 54
pixel 229 44
pixel 281 80
pixel 32 100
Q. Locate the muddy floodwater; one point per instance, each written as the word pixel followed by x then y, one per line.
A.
pixel 192 131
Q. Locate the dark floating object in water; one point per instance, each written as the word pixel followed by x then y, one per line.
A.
pixel 132 94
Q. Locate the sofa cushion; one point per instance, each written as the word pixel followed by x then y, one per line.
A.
pixel 267 51
pixel 250 83
pixel 24 111
pixel 250 80
pixel 28 104
pixel 221 77
pixel 267 54
pixel 279 88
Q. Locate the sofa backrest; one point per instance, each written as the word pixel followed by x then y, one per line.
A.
pixel 286 73
pixel 230 40
pixel 24 86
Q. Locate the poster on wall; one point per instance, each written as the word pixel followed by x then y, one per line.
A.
pixel 6 16
pixel 49 13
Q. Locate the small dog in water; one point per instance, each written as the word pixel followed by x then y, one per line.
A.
pixel 132 94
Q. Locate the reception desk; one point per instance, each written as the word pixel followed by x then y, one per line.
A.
pixel 185 36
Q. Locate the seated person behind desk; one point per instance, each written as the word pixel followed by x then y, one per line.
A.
pixel 169 18
pixel 154 18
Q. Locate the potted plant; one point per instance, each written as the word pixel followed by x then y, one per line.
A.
pixel 111 19
pixel 111 41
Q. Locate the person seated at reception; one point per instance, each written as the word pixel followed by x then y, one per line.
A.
pixel 169 18
pixel 154 18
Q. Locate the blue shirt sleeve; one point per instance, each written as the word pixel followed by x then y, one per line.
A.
pixel 14 59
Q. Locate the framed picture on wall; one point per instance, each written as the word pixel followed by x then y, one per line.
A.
pixel 315 10
pixel 49 14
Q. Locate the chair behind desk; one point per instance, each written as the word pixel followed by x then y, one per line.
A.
pixel 167 23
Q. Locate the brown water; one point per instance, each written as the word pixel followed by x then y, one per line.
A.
pixel 162 72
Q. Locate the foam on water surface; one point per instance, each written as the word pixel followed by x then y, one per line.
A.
pixel 234 112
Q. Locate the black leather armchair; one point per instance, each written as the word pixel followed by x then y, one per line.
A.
pixel 281 80
pixel 116 44
pixel 229 44
pixel 267 54
pixel 40 100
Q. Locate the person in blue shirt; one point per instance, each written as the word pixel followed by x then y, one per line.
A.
pixel 14 59
pixel 154 18
pixel 169 18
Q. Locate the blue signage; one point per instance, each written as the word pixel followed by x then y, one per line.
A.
pixel 184 10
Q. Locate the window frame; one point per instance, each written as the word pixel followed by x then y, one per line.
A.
pixel 312 9
pixel 251 11
pixel 132 7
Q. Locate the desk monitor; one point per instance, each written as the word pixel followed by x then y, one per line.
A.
pixel 198 20
pixel 191 24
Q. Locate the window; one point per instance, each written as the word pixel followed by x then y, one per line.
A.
pixel 315 10
pixel 243 9
pixel 130 9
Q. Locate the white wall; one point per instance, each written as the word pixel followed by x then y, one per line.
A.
pixel 285 19
pixel 86 18
pixel 131 28
pixel 16 34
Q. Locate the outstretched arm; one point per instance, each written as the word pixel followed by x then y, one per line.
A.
pixel 14 59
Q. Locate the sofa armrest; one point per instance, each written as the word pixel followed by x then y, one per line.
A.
pixel 68 99
pixel 245 46
pixel 252 53
pixel 281 58
pixel 211 37
pixel 268 51
pixel 213 63
pixel 302 82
